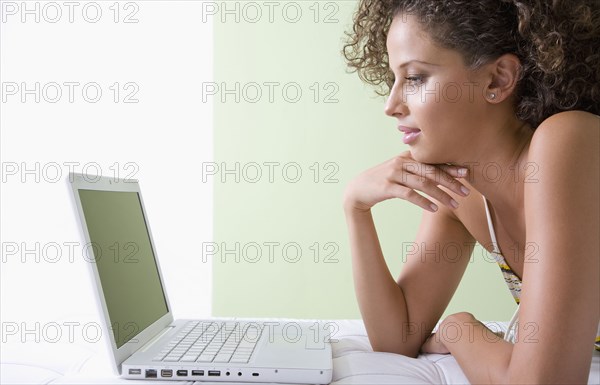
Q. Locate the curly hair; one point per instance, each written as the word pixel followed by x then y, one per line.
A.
pixel 557 42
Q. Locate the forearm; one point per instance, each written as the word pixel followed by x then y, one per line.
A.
pixel 380 299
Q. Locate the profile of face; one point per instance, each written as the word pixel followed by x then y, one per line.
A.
pixel 434 92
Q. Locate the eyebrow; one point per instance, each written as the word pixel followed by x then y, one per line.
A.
pixel 417 61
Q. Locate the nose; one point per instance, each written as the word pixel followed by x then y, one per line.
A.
pixel 395 104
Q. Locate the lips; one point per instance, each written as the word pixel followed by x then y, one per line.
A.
pixel 410 134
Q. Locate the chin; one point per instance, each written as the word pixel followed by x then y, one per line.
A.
pixel 429 157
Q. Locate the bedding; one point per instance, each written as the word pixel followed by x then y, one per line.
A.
pixel 354 362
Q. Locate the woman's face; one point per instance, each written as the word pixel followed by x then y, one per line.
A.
pixel 438 102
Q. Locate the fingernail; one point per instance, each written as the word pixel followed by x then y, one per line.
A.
pixel 464 190
pixel 462 172
pixel 454 203
pixel 433 207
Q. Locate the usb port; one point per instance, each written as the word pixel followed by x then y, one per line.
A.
pixel 135 371
pixel 197 372
pixel 151 373
pixel 214 372
pixel 255 374
pixel 182 372
pixel 166 373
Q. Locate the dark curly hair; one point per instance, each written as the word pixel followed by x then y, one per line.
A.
pixel 557 42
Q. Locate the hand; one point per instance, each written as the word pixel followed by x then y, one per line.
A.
pixel 399 177
pixel 434 344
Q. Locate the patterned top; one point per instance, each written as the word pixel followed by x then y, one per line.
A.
pixel 512 280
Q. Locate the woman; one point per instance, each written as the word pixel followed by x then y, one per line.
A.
pixel 498 101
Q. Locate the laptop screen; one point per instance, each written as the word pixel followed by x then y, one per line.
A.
pixel 125 260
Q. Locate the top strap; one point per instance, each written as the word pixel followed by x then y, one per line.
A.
pixel 491 227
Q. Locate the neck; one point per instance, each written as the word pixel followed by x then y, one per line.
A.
pixel 501 166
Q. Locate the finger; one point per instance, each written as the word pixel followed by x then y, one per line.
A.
pixel 434 173
pixel 455 171
pixel 410 195
pixel 429 187
pixel 447 177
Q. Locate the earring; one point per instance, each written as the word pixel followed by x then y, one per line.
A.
pixel 492 96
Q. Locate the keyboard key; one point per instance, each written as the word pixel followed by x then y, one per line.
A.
pixel 205 357
pixel 222 357
pixel 212 342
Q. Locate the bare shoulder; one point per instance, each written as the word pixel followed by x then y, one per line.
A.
pixel 567 128
pixel 566 138
pixel 572 118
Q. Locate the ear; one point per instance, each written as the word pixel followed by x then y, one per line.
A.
pixel 503 74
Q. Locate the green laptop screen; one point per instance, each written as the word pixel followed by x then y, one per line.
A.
pixel 126 263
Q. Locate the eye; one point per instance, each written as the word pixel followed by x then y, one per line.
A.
pixel 415 80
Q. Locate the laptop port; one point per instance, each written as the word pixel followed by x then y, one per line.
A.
pixel 197 372
pixel 255 374
pixel 135 371
pixel 166 373
pixel 182 372
pixel 151 373
pixel 214 372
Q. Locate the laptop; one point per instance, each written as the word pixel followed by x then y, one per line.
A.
pixel 145 341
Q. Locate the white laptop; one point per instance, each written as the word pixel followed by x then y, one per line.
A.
pixel 145 341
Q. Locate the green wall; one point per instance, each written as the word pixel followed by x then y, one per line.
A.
pixel 340 131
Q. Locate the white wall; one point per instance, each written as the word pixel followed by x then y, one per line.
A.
pixel 160 58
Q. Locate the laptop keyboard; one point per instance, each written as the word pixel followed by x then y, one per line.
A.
pixel 219 342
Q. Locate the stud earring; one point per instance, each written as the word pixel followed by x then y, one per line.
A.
pixel 492 96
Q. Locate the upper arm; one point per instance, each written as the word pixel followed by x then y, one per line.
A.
pixel 560 299
pixel 434 265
